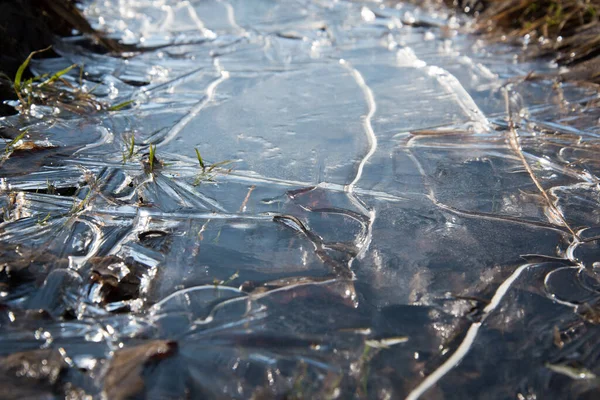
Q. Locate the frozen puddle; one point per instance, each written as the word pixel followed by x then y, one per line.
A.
pixel 405 217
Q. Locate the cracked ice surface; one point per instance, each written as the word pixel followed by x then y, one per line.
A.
pixel 382 233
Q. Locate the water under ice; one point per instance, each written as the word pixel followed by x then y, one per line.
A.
pixel 382 233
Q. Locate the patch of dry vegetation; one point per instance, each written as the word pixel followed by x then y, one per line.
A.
pixel 566 29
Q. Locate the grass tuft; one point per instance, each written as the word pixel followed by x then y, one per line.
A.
pixel 53 90
pixel 568 30
pixel 17 83
pixel 209 174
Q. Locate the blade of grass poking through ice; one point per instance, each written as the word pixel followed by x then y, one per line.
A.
pixel 35 79
pixel 200 160
pixel 81 75
pixel 120 106
pixel 9 147
pixel 131 146
pixel 43 221
pixel 151 157
pixel 22 67
pixel 130 149
pixel 57 75
pixel 220 163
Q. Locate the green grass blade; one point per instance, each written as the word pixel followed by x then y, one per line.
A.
pixel 151 157
pixel 9 147
pixel 22 67
pixel 132 146
pixel 120 106
pixel 57 75
pixel 200 160
pixel 81 75
pixel 93 88
pixel 220 163
pixel 35 79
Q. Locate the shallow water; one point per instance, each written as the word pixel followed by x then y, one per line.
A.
pixel 405 215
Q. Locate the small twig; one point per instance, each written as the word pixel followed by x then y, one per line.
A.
pixel 513 141
pixel 245 202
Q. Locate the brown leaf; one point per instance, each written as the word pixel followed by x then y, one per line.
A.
pixel 124 376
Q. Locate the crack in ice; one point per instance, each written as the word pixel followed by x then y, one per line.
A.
pixel 372 139
pixel 210 93
pixel 468 341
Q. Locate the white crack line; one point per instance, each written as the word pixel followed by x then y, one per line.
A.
pixel 199 24
pixel 210 93
pixel 469 339
pixel 231 18
pixel 372 139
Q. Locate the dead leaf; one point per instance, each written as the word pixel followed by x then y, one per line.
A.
pixel 124 376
